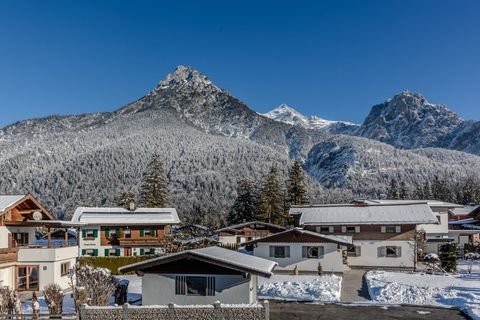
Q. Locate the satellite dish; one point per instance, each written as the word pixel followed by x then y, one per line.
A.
pixel 37 215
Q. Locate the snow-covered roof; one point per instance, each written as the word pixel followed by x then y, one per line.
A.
pixel 348 214
pixel 9 200
pixel 121 216
pixel 215 255
pixel 244 224
pixel 345 240
pixel 464 211
pixel 431 203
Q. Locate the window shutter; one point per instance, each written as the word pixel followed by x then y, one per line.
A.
pixel 95 233
pixel 398 229
pixel 399 251
pixel 304 251
pixel 358 251
pixel 153 232
pixel 383 229
pixel 142 251
pixel 106 252
pixel 287 251
pixel 344 229
pixel 141 233
pixel 272 251
pixel 318 229
pixel 84 251
pixel 331 229
pixel 180 285
pixel 210 286
pixel 84 234
pixel 381 251
pixel 357 229
pixel 321 252
pixel 95 252
pixel 117 252
pixel 107 233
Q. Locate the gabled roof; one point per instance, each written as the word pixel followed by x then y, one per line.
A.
pixel 299 231
pixel 8 202
pixel 229 259
pixel 348 214
pixel 244 224
pixel 122 216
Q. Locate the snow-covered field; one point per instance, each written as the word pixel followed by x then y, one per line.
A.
pixel 461 290
pixel 300 288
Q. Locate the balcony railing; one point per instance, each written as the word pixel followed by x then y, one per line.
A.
pixel 8 255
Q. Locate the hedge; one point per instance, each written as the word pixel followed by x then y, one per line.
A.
pixel 112 263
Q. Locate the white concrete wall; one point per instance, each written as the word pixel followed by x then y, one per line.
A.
pixel 331 261
pixel 4 237
pixel 369 254
pixel 6 276
pixel 233 289
pixel 436 230
pixel 28 255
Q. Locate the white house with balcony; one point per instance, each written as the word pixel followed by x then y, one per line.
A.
pixel 27 264
pixel 123 232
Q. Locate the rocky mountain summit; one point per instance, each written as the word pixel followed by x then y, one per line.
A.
pixel 209 139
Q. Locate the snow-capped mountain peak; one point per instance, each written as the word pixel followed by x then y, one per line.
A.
pixel 286 114
pixel 184 75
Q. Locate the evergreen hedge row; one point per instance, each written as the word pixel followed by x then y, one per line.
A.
pixel 111 263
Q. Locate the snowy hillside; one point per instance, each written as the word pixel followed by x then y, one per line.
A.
pixel 208 140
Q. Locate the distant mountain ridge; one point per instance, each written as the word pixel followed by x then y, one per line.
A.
pixel 210 139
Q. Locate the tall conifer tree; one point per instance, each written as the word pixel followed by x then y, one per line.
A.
pixel 271 199
pixel 153 191
pixel 297 192
pixel 245 207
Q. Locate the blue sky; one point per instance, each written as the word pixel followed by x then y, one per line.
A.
pixel 334 59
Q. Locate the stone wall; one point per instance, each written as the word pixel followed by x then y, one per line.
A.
pixel 216 311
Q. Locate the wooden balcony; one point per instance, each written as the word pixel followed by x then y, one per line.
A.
pixel 146 241
pixel 8 255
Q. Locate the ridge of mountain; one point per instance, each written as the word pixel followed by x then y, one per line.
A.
pixel 208 140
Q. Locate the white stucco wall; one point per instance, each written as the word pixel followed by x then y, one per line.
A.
pixel 4 237
pixel 233 289
pixel 369 254
pixel 437 230
pixel 90 244
pixel 6 276
pixel 331 261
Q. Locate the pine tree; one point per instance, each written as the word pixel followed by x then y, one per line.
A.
pixel 271 200
pixel 393 191
pixel 245 207
pixel 153 191
pixel 125 198
pixel 297 192
pixel 403 191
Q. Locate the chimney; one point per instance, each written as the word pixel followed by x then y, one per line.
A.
pixel 132 206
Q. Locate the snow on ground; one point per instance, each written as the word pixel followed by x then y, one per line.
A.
pixel 462 290
pixel 300 288
pixel 68 305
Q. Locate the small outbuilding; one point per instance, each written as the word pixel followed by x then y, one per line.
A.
pixel 201 276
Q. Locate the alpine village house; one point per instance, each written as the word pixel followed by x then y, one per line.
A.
pixel 124 232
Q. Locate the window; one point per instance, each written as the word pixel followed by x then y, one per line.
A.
pixel 355 251
pixel 110 233
pixel 351 229
pixel 112 252
pixel 313 252
pixel 91 233
pixel 27 278
pixel 90 252
pixel 21 239
pixel 280 251
pixel 65 268
pixel 439 219
pixel 390 252
pixel 195 286
pixel 391 229
pixel 127 233
pixel 149 233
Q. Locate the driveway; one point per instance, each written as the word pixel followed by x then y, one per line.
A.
pixel 354 286
pixel 300 311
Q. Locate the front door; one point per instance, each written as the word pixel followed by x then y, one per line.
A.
pixel 127 252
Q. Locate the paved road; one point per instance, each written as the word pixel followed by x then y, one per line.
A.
pixel 299 311
pixel 354 286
